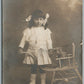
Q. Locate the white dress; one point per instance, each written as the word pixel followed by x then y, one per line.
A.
pixel 39 41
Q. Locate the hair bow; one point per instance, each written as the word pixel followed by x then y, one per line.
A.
pixel 46 18
pixel 28 18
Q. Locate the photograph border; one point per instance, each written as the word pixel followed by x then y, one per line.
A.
pixel 1 55
pixel 0 46
pixel 83 42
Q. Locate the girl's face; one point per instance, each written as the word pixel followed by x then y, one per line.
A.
pixel 38 21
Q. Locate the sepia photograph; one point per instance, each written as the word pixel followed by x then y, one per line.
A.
pixel 42 41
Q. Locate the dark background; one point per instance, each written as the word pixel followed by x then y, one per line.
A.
pixel 65 22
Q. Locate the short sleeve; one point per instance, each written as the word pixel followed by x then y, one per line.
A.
pixel 24 38
pixel 48 31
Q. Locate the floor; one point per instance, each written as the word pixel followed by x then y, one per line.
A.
pixel 20 74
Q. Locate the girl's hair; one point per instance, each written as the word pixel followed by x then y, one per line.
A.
pixel 37 14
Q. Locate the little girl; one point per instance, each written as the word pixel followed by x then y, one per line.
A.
pixel 39 38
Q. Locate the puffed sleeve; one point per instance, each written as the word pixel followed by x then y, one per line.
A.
pixel 24 38
pixel 49 40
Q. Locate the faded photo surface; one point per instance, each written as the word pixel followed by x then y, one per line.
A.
pixel 42 41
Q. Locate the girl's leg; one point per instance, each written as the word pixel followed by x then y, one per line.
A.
pixel 33 79
pixel 43 78
pixel 43 75
pixel 33 74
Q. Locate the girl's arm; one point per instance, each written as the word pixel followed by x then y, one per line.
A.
pixel 49 40
pixel 20 50
pixel 49 43
pixel 22 43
